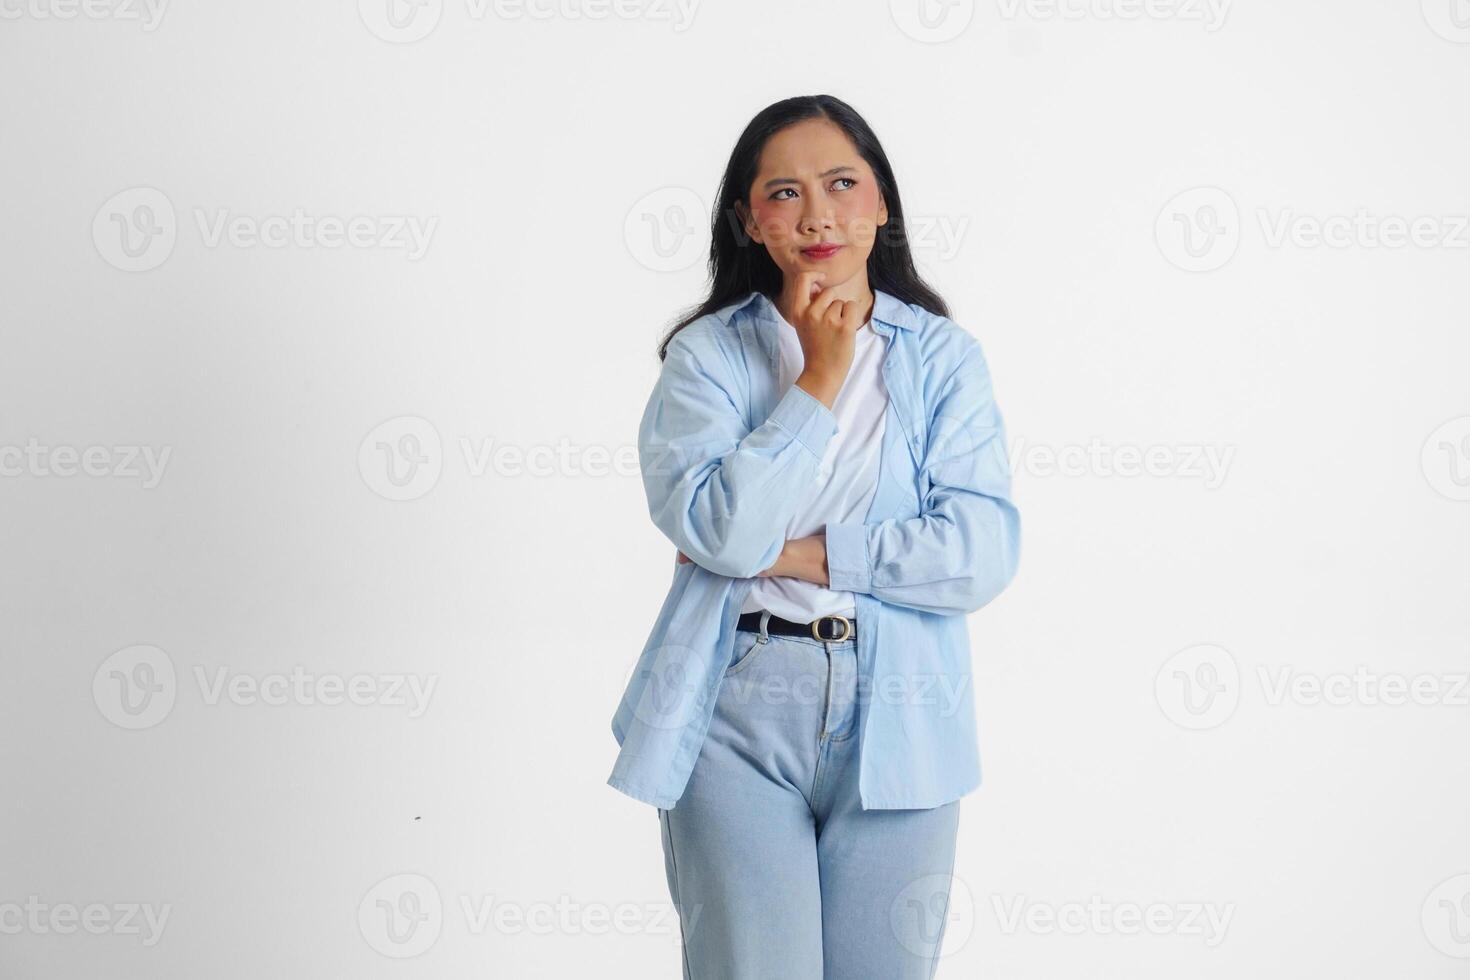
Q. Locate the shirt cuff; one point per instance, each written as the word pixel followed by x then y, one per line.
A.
pixel 847 558
pixel 806 418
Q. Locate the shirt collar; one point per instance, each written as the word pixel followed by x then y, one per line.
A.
pixel 887 309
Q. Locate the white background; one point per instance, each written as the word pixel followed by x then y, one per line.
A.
pixel 556 156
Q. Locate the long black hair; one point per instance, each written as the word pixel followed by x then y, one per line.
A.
pixel 736 268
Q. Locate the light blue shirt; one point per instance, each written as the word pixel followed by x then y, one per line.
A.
pixel 726 458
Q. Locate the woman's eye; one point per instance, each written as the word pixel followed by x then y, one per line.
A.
pixel 777 196
pixel 847 180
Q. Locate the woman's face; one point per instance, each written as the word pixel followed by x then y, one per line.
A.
pixel 813 188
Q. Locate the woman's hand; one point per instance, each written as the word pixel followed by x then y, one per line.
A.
pixel 800 558
pixel 826 327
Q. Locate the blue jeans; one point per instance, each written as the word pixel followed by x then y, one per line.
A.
pixel 776 870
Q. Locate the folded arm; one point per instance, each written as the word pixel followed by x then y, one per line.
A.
pixel 723 493
pixel 962 549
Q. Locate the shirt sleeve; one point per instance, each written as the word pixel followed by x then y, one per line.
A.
pixel 962 549
pixel 722 492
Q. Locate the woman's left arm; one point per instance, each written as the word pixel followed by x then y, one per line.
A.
pixel 963 548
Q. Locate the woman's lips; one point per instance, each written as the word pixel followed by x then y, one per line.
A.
pixel 821 251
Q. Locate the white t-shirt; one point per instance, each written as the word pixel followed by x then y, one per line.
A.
pixel 846 479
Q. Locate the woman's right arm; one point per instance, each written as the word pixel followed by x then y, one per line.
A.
pixel 724 494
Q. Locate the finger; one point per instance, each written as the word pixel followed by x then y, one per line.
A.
pixel 683 558
pixel 806 288
pixel 836 315
pixel 821 305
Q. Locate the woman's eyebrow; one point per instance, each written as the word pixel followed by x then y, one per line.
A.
pixel 792 180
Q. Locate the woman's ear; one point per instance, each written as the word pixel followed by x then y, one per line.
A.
pixel 747 220
pixel 882 210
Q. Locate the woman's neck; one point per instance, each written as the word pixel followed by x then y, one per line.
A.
pixel 853 290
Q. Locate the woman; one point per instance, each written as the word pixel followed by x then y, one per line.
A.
pixel 823 449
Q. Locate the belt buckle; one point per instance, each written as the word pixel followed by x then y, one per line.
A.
pixel 817 629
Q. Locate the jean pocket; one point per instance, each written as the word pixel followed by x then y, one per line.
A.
pixel 747 647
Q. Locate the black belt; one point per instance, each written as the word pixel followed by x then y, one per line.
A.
pixel 830 629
